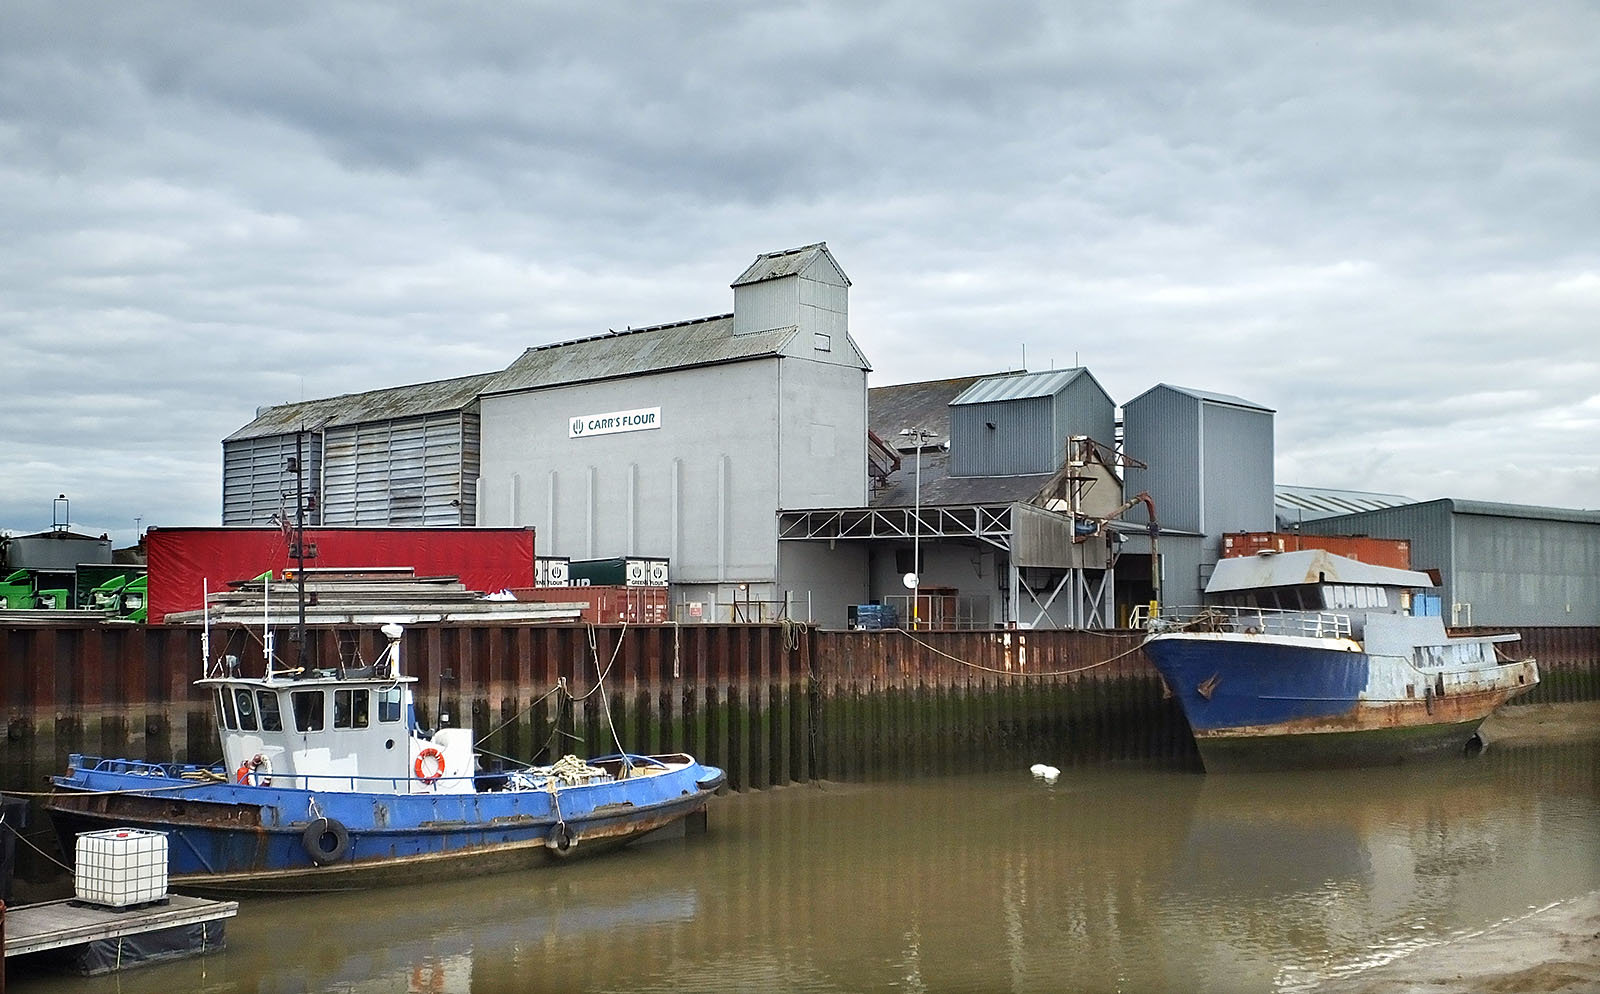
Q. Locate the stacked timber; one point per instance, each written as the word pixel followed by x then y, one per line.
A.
pixel 365 600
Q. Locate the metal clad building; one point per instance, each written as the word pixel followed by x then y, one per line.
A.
pixel 680 441
pixel 1500 564
pixel 399 456
pixel 1016 425
pixel 1210 471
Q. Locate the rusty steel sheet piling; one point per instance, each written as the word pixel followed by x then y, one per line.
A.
pixel 769 703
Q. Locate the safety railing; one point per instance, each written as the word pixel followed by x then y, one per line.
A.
pixel 1244 620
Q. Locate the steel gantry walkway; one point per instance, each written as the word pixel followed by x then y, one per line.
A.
pixel 989 523
pixel 1079 598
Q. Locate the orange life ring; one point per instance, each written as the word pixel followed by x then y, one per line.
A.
pixel 434 755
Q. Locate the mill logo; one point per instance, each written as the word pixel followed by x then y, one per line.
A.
pixel 639 419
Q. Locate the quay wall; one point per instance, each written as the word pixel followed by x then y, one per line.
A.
pixel 771 704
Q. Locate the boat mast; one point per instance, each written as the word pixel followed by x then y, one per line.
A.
pixel 300 540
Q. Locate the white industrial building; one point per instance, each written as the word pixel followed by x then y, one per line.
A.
pixel 680 441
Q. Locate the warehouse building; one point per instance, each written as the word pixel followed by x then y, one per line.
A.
pixel 680 441
pixel 1503 565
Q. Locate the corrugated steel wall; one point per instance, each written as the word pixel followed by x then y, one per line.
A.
pixel 1236 462
pixel 1162 430
pixel 409 471
pixel 1022 440
pixel 1514 570
pixel 256 483
pixel 1084 409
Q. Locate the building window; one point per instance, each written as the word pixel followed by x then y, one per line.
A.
pixel 821 342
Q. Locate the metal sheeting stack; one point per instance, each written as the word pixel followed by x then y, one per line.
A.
pixel 371 600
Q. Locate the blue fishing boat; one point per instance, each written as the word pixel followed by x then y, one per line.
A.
pixel 1310 659
pixel 329 783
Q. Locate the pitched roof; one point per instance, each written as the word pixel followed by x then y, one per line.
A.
pixel 1019 386
pixel 938 487
pixel 1311 503
pixel 700 342
pixel 925 405
pixel 787 262
pixel 1216 398
pixel 373 405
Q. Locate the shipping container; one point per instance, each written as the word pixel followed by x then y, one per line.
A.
pixel 618 571
pixel 1394 553
pixel 606 604
pixel 551 571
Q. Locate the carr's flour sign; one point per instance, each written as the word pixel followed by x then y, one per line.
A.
pixel 642 419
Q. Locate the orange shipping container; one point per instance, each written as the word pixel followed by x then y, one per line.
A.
pixel 1392 552
pixel 609 605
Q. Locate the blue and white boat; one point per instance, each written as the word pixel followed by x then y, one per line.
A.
pixel 328 783
pixel 1309 659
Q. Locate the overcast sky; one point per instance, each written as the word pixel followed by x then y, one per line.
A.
pixel 1378 220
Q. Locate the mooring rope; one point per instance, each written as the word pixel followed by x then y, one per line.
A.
pixel 600 685
pixel 31 844
pixel 109 793
pixel 991 669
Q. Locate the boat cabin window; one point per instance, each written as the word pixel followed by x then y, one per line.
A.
pixel 350 708
pixel 247 710
pixel 389 704
pixel 1348 595
pixel 307 705
pixel 271 720
pixel 225 716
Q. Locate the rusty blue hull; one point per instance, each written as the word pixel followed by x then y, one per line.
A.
pixel 228 836
pixel 1262 702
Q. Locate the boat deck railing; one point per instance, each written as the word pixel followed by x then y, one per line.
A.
pixel 605 769
pixel 1244 620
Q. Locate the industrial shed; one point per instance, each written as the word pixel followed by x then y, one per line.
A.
pixel 398 456
pixel 1207 465
pixel 1503 565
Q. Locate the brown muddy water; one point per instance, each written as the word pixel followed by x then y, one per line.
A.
pixel 1111 879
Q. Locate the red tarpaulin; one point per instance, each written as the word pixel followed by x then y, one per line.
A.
pixel 184 562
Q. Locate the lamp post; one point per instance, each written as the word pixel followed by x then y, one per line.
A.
pixel 913 579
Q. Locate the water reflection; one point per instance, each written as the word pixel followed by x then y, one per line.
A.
pixel 1134 880
pixel 1317 876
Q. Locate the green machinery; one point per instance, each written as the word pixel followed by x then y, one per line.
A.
pixel 16 591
